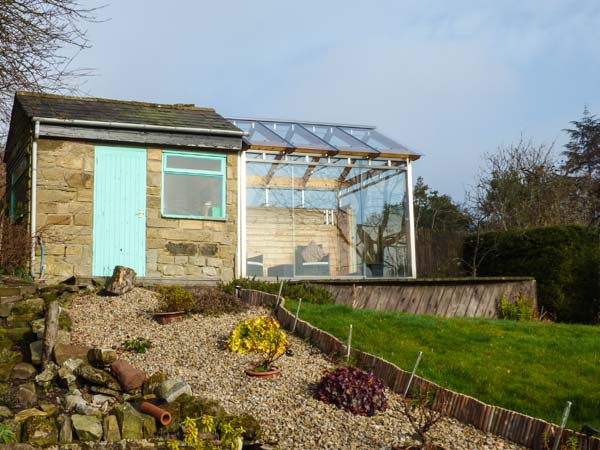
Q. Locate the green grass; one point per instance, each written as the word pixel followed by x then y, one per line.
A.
pixel 530 367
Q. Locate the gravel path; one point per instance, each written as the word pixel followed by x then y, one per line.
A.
pixel 194 350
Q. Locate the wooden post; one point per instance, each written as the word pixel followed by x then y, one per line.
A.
pixel 278 295
pixel 349 343
pixel 563 423
pixel 50 332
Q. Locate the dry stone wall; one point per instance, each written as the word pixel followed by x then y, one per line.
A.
pixel 175 248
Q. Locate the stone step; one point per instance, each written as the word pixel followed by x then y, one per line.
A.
pixel 21 289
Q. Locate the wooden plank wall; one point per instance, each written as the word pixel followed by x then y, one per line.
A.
pixel 520 428
pixel 468 299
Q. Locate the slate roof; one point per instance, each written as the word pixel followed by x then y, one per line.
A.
pixel 107 110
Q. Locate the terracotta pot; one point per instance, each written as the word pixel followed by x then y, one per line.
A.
pixel 162 416
pixel 168 317
pixel 262 374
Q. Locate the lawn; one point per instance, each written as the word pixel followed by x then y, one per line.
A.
pixel 530 367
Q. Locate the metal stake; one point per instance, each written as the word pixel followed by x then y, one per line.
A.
pixel 563 423
pixel 349 343
pixel 297 314
pixel 412 375
pixel 278 295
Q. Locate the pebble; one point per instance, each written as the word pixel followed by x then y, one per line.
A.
pixel 194 349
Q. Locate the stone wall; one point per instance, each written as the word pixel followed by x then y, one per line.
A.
pixel 197 249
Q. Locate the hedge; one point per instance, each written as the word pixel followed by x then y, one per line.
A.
pixel 564 260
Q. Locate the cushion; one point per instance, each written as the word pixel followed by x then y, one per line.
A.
pixel 313 252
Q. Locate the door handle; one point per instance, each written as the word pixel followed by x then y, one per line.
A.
pixel 140 213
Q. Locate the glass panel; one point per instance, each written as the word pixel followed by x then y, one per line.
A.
pixel 193 196
pixel 193 163
pixel 309 224
pixel 339 139
pixel 377 140
pixel 18 199
pixel 297 135
pixel 256 196
pixel 258 134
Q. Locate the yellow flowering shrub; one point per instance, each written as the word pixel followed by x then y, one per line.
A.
pixel 259 335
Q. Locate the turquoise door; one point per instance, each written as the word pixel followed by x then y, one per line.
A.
pixel 119 230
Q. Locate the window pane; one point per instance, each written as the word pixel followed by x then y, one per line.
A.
pixel 255 197
pixel 320 199
pixel 193 195
pixel 193 163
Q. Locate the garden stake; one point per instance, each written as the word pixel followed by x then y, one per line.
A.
pixel 412 375
pixel 297 314
pixel 563 422
pixel 278 296
pixel 349 343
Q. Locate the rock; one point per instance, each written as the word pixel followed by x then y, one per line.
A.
pixel 6 371
pixel 23 371
pixel 153 381
pixel 149 426
pixel 122 281
pixel 26 394
pixel 40 431
pixel 100 399
pixel 62 352
pixel 131 424
pixel 110 425
pixel 97 376
pixel 198 407
pixel 33 306
pixel 105 391
pixel 171 389
pixel 65 433
pixel 5 412
pixel 67 378
pixel 87 428
pixel 252 429
pixel 129 377
pixel 22 416
pixel 48 375
pixel 37 326
pixel 76 402
pixel 101 357
pixel 35 348
pixel 19 334
pixel 72 364
pixel 49 408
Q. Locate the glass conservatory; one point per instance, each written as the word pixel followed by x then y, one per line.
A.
pixel 324 201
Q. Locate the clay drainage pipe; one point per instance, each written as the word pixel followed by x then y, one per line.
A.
pixel 164 417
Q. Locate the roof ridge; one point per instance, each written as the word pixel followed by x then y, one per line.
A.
pixel 177 106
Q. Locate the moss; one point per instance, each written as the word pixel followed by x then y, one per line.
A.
pixel 40 431
pixel 32 306
pixel 196 407
pixel 252 429
pixel 64 321
pixel 153 381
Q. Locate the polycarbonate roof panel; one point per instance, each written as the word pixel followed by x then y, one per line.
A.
pixel 260 135
pixel 377 140
pixel 298 136
pixel 326 137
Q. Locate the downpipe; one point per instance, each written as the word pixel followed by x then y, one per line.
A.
pixel 32 221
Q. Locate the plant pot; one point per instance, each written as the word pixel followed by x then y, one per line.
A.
pixel 274 371
pixel 168 317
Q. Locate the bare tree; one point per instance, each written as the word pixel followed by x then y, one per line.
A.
pixel 38 40
pixel 521 186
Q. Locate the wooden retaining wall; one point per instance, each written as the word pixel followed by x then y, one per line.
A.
pixel 451 297
pixel 524 430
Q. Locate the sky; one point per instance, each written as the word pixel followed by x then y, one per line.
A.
pixel 450 80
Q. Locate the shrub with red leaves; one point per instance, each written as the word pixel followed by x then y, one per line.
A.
pixel 353 390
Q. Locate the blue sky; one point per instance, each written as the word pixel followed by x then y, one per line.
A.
pixel 451 80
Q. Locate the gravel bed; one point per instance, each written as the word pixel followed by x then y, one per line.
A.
pixel 291 417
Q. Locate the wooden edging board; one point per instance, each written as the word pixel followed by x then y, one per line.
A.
pixel 520 428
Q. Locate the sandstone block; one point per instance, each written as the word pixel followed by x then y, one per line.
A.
pixel 87 428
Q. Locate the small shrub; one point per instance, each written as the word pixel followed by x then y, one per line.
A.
pixel 137 345
pixel 259 335
pixel 307 292
pixel 520 310
pixel 175 298
pixel 354 390
pixel 215 302
pixel 7 435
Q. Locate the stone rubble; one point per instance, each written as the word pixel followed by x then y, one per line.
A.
pixel 194 350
